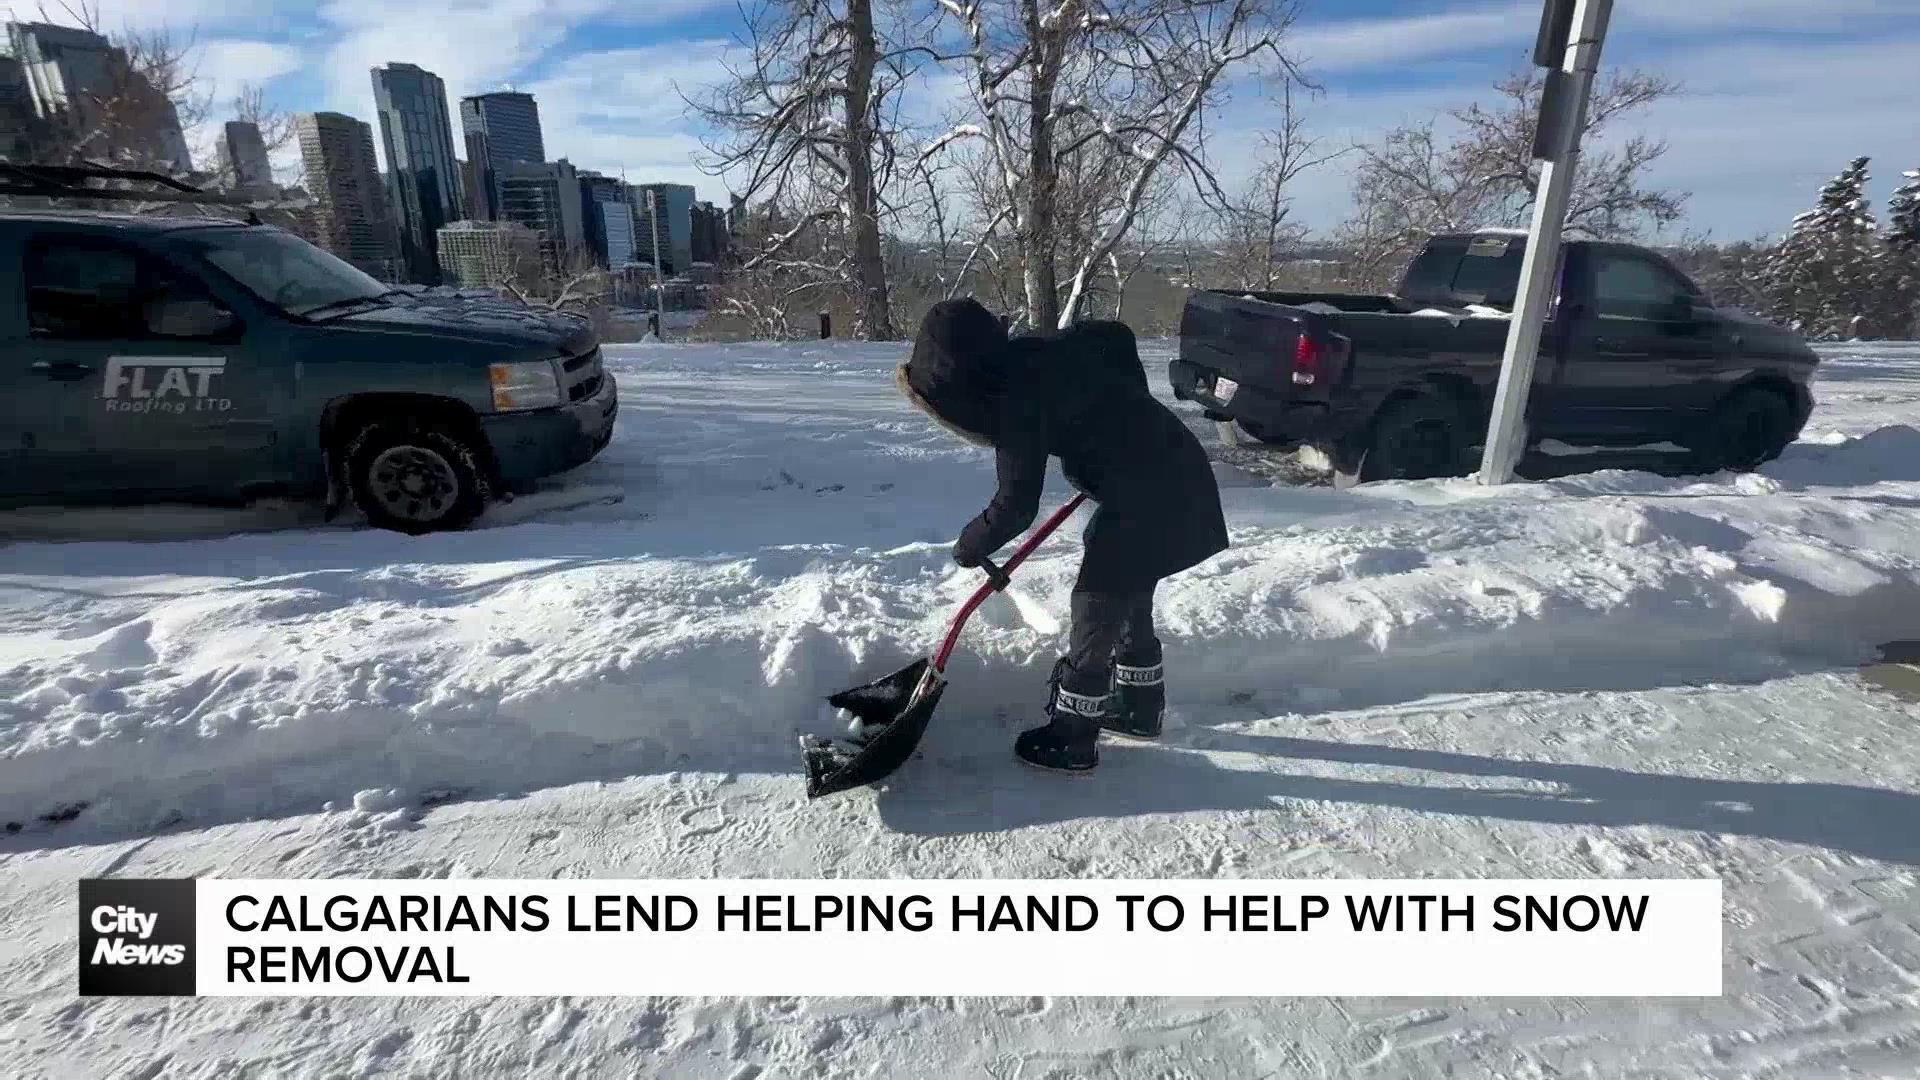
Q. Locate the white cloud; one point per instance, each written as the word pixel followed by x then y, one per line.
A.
pixel 223 65
pixel 1353 44
pixel 1748 14
pixel 473 47
pixel 1762 126
pixel 1757 128
pixel 621 111
pixel 183 16
pixel 641 85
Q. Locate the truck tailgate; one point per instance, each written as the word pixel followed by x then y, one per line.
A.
pixel 1279 348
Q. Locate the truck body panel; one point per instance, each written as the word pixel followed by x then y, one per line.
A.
pixel 1632 352
pixel 107 403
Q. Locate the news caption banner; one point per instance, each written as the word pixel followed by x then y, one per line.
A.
pixel 499 937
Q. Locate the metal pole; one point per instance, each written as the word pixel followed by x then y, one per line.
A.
pixel 659 275
pixel 1563 117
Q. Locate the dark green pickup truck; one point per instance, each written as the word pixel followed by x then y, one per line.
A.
pixel 146 358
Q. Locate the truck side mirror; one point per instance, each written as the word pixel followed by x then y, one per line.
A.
pixel 189 318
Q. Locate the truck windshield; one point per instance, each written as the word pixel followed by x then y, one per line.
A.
pixel 286 271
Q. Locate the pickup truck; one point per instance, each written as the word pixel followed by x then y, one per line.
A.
pixel 146 357
pixel 1633 354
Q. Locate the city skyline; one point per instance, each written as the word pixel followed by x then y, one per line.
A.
pixel 1762 123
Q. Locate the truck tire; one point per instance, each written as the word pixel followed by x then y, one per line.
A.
pixel 414 476
pixel 1418 437
pixel 1748 430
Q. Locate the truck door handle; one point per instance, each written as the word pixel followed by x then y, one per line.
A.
pixel 64 370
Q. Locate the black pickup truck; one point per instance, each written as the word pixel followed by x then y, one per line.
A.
pixel 1633 354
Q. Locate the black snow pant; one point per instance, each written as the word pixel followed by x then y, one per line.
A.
pixel 1108 626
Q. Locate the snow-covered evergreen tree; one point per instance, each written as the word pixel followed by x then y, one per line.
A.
pixel 1902 256
pixel 1825 277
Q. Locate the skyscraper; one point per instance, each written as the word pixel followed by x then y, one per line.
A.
pixel 545 197
pixel 243 158
pixel 501 128
pixel 350 212
pixel 17 121
pixel 616 230
pixel 606 218
pixel 675 209
pixel 88 97
pixel 709 233
pixel 423 177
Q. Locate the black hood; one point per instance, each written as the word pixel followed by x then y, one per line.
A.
pixel 956 372
pixel 492 322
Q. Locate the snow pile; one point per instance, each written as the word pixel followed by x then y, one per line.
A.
pixel 1471 311
pixel 772 523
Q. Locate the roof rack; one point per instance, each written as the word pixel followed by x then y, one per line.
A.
pixel 70 182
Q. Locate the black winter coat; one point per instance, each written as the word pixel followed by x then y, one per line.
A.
pixel 1082 397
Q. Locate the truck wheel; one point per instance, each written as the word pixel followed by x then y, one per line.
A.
pixel 1413 438
pixel 414 477
pixel 1748 430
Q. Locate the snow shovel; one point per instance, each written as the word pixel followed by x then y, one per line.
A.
pixel 894 711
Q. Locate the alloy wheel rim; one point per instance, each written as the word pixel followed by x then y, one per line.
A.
pixel 414 483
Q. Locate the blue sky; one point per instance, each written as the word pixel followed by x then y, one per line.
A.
pixel 1778 94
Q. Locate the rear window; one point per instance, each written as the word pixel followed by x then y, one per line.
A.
pixel 1484 270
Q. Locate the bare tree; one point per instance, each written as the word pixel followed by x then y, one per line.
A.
pixel 1077 105
pixel 1257 229
pixel 808 122
pixel 1479 171
pixel 542 275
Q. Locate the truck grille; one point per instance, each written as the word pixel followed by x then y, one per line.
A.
pixel 582 374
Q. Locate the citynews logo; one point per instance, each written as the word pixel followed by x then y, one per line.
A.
pixel 136 936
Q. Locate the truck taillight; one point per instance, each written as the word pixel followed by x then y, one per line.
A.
pixel 1306 361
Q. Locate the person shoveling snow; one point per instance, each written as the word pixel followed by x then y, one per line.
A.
pixel 1080 396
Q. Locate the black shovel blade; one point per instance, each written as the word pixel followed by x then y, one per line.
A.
pixel 894 727
pixel 882 700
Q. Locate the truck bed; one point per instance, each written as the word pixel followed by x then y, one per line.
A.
pixel 1251 337
pixel 1239 351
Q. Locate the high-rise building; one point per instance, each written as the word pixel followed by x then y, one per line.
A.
pixel 487 254
pixel 607 219
pixel 545 197
pixel 17 120
pixel 616 229
pixel 500 128
pixel 736 219
pixel 351 217
pixel 423 171
pixel 673 203
pixel 87 97
pixel 243 158
pixel 709 233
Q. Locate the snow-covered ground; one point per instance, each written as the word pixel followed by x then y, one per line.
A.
pixel 1616 674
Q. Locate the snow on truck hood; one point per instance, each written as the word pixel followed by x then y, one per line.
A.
pixel 474 320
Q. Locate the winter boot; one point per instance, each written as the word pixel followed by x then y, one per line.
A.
pixel 1067 743
pixel 1139 700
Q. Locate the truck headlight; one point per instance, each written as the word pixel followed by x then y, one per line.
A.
pixel 533 384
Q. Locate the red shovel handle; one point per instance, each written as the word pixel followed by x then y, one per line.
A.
pixel 1033 540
